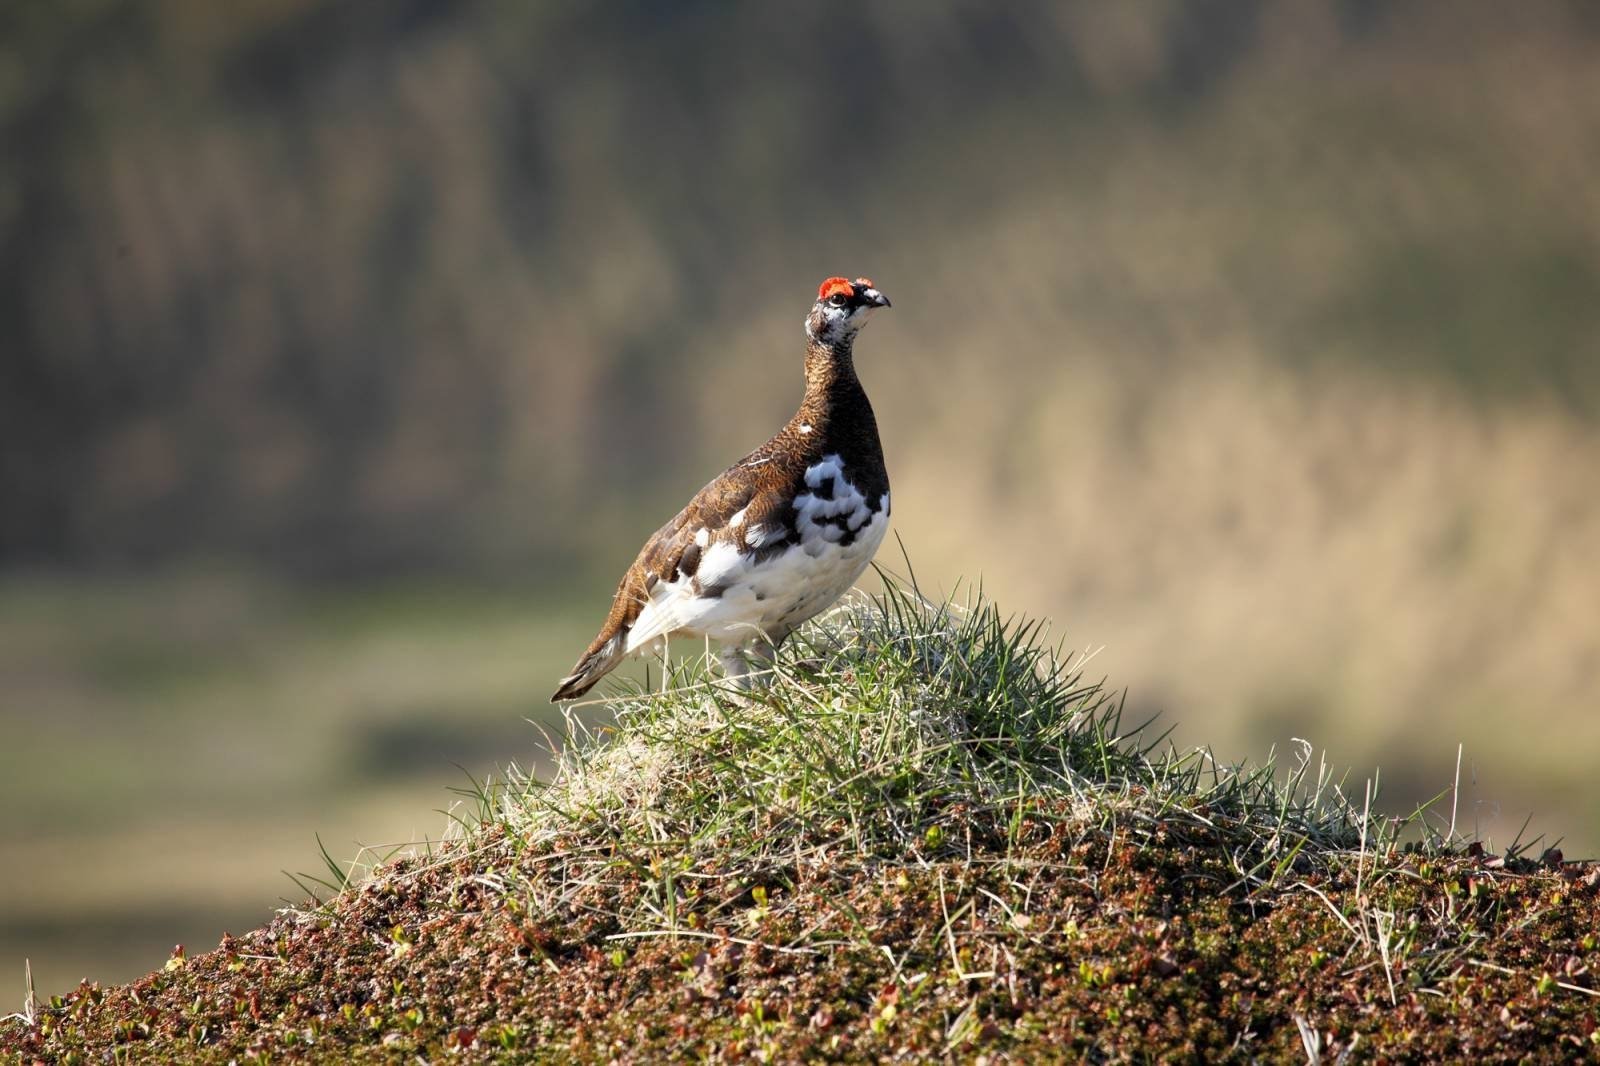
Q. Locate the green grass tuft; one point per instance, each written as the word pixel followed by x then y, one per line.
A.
pixel 893 729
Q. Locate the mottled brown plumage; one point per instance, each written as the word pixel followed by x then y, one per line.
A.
pixel 780 527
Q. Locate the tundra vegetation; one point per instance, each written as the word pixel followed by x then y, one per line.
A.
pixel 932 836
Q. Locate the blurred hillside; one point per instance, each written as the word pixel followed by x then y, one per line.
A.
pixel 354 288
pixel 1255 342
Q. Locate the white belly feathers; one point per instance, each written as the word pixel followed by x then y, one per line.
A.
pixel 767 594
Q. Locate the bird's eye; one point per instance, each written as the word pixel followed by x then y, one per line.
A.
pixel 838 299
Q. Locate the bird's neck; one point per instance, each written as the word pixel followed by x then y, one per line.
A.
pixel 835 407
pixel 830 376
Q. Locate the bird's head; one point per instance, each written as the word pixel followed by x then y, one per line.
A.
pixel 842 308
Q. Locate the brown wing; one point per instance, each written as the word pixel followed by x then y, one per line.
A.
pixel 670 551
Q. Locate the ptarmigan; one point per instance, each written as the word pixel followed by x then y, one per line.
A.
pixel 780 535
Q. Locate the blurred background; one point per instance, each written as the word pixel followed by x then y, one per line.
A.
pixel 348 350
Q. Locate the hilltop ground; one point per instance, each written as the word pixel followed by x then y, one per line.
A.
pixel 930 838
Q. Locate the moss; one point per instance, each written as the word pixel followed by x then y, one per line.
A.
pixel 1124 954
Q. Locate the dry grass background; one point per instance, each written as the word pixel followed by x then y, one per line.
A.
pixel 353 348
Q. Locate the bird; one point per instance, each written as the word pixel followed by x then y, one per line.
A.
pixel 777 537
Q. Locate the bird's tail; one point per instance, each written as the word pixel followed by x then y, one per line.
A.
pixel 601 658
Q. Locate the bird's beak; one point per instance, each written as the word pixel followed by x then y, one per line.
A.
pixel 875 298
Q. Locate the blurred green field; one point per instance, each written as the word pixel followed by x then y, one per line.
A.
pixel 172 743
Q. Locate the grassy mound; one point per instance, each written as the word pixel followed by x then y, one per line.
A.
pixel 929 838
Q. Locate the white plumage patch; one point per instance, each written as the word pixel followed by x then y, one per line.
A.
pixel 819 472
pixel 818 512
pixel 758 536
pixel 769 598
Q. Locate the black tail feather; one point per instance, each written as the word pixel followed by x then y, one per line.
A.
pixel 601 658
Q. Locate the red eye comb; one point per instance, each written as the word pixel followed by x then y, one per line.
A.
pixel 833 285
pixel 865 283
